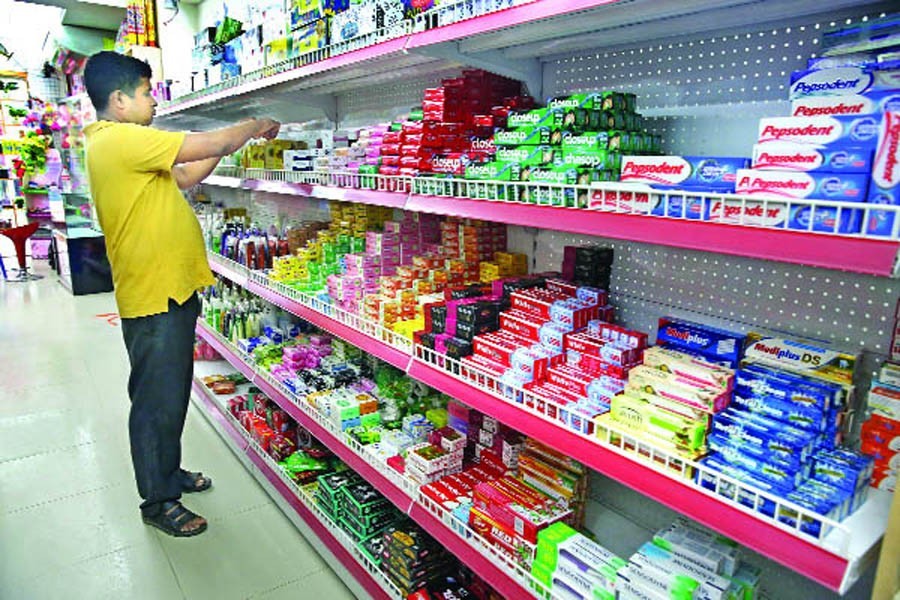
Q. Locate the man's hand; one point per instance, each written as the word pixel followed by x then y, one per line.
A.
pixel 267 128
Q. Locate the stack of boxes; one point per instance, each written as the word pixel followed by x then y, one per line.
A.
pixel 880 435
pixel 309 22
pixel 860 101
pixel 781 433
pixel 668 401
pixel 364 512
pixel 412 559
pixel 687 561
pixel 567 564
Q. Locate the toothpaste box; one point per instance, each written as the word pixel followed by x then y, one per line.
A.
pixel 709 172
pixel 847 106
pixel 846 187
pixel 885 182
pixel 650 553
pixel 820 131
pixel 793 156
pixel 778 473
pixel 527 156
pixel 713 344
pixel 806 394
pixel 636 413
pixel 794 415
pixel 842 81
pixel 678 389
pixel 688 366
pixel 803 358
pixel 690 540
pixel 771 438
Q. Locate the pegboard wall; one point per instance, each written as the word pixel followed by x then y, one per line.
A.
pixel 363 107
pixel 849 311
pixel 704 95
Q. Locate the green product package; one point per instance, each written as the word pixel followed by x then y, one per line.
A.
pixel 370 420
pixel 538 117
pixel 494 171
pixel 528 136
pixel 527 156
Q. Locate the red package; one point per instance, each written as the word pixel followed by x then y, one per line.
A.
pixel 390 149
pixel 521 324
pixel 391 137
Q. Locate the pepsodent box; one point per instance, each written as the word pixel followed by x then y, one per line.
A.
pixel 847 106
pixel 710 172
pixel 845 187
pixel 842 81
pixel 885 184
pixel 820 131
pixel 827 219
pixel 793 156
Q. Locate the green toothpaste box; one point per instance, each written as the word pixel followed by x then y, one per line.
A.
pixel 528 156
pixel 528 136
pixel 538 117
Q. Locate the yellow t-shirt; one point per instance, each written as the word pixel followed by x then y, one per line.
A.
pixel 153 239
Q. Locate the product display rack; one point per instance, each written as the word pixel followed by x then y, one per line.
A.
pixel 546 46
pixel 834 560
pixel 504 575
pixel 261 465
pixel 613 218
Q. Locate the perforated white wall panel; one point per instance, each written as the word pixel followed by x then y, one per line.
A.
pixel 368 106
pixel 704 96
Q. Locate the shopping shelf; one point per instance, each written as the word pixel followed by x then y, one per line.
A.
pixel 508 578
pixel 618 211
pixel 835 558
pixel 505 39
pixel 342 547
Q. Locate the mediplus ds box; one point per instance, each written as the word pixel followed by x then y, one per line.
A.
pixel 792 156
pixel 884 187
pixel 820 131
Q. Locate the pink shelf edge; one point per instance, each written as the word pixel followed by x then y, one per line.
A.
pixel 321 531
pixel 869 256
pixel 383 351
pixel 502 19
pixel 804 557
pixel 481 564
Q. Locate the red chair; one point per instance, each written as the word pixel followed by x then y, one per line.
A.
pixel 19 235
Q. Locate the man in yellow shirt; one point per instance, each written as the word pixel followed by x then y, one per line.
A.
pixel 158 260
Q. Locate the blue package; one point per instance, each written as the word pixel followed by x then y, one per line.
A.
pixel 777 474
pixel 709 172
pixel 808 524
pixel 840 499
pixel 836 473
pixel 791 388
pixel 716 344
pixel 841 81
pixel 788 156
pixel 747 432
pixel 726 445
pixel 773 427
pixel 825 219
pixel 748 497
pixel 864 462
pixel 745 399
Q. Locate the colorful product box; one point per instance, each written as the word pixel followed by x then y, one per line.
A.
pixel 714 344
pixel 772 436
pixel 820 131
pixel 703 372
pixel 876 102
pixel 678 389
pixel 793 156
pixel 842 81
pixel 683 171
pixel 635 413
pixel 885 183
pixel 803 358
pixel 849 187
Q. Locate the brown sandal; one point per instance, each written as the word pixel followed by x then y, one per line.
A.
pixel 173 519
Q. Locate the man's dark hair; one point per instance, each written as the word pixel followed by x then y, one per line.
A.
pixel 106 72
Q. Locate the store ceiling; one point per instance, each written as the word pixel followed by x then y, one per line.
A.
pixel 103 14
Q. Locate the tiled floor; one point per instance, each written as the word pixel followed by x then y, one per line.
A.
pixel 69 522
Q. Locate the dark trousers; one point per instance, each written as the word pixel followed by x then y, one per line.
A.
pixel 161 352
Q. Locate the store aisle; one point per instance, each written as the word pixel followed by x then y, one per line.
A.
pixel 69 520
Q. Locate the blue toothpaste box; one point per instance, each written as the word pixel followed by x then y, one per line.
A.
pixel 799 417
pixel 776 473
pixel 820 131
pixel 703 172
pixel 846 187
pixel 710 482
pixel 814 396
pixel 725 445
pixel 711 343
pixel 737 428
pixel 842 81
pixel 792 156
pixel 885 183
pixel 867 103
pixel 808 524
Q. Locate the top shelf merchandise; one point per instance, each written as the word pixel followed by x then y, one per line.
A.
pixel 712 73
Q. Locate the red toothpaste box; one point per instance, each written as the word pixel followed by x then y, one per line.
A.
pixel 627 337
pixel 571 379
pixel 521 324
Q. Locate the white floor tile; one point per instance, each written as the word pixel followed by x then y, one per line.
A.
pixel 69 520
